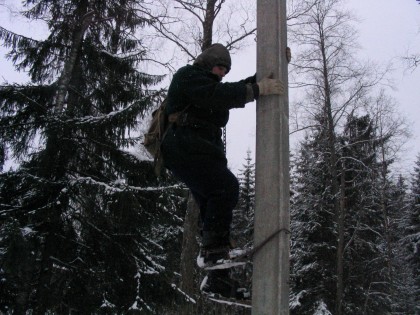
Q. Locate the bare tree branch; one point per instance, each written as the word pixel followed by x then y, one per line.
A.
pixel 411 61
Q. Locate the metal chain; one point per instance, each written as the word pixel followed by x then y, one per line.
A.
pixel 224 139
pixel 251 252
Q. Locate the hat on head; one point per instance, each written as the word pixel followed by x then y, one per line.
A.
pixel 215 55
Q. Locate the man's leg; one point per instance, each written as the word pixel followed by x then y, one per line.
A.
pixel 202 205
pixel 216 190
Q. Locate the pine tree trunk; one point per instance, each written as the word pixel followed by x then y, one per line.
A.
pixel 50 227
pixel 208 25
pixel 340 247
pixel 189 245
pixel 190 248
pixel 335 185
pixel 340 230
pixel 384 171
pixel 46 273
pixel 64 81
pixel 60 156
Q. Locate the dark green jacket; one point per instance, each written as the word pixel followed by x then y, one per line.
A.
pixel 207 99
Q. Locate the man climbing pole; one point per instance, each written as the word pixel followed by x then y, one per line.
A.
pixel 198 104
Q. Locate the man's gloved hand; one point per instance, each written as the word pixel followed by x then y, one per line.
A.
pixel 269 86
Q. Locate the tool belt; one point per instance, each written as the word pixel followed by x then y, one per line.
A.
pixel 185 119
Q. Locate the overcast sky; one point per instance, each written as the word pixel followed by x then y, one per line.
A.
pixel 388 30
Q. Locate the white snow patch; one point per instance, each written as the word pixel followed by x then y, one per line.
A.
pixel 236 252
pixel 229 302
pixel 26 231
pixel 220 264
pixel 296 299
pixel 187 297
pixel 60 267
pixel 139 152
pixel 106 303
pixel 150 271
pixel 134 307
pixel 225 264
pixel 322 309
pixel 203 283
pixel 200 261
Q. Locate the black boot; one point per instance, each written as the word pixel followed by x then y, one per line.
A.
pixel 218 283
pixel 214 249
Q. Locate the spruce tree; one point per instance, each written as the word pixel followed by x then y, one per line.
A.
pixel 314 228
pixel 247 186
pixel 313 239
pixel 413 227
pixel 366 278
pixel 410 242
pixel 243 219
pixel 243 214
pixel 402 280
pixel 82 227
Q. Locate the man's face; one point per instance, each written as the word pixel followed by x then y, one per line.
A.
pixel 220 71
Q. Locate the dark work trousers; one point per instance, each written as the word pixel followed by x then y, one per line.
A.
pixel 215 189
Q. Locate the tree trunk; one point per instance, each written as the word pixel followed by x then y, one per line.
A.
pixel 384 171
pixel 208 25
pixel 189 244
pixel 59 155
pixel 190 248
pixel 335 186
pixel 340 242
pixel 65 78
pixel 44 286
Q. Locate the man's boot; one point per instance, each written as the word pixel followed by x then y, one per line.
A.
pixel 214 249
pixel 218 283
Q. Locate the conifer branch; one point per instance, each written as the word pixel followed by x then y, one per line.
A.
pixel 13 40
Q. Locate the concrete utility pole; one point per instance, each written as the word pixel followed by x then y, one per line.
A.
pixel 270 286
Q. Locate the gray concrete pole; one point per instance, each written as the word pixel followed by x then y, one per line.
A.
pixel 270 281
